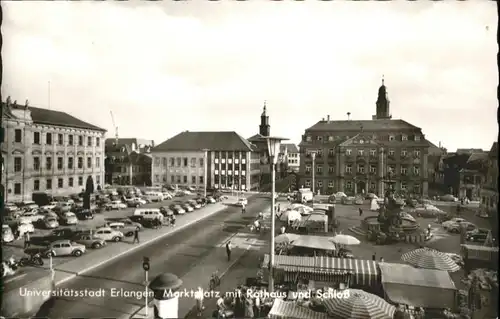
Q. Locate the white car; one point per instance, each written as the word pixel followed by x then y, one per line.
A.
pixel 242 202
pixel 50 206
pixel 7 235
pixel 167 195
pixel 191 189
pixel 69 218
pixel 211 200
pixel 454 222
pixel 25 227
pixel 33 216
pixel 108 234
pixel 116 204
pixel 186 192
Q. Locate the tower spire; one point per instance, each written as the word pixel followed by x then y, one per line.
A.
pixel 383 84
pixel 264 128
pixel 264 111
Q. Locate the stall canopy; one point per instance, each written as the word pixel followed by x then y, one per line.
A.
pixel 417 287
pixel 314 242
pixel 363 272
pixel 477 252
pixel 291 310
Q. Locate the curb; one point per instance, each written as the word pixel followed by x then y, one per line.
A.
pixel 134 248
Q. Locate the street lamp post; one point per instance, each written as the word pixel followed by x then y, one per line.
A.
pixel 205 173
pixel 273 147
pixel 313 156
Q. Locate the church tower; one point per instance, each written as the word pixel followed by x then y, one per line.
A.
pixel 383 104
pixel 264 127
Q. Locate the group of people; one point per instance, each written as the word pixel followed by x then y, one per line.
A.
pixel 240 305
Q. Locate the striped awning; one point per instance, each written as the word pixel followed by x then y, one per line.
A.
pixel 478 252
pixel 291 310
pixel 364 272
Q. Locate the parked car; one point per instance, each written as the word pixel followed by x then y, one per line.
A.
pixel 202 201
pixel 211 200
pixel 127 230
pixel 477 235
pixel 242 202
pixel 188 208
pixel 23 226
pixel 455 228
pixel 136 202
pixel 108 234
pixel 7 234
pixel 85 214
pixel 64 207
pixel 116 204
pixel 186 192
pixel 33 216
pixel 50 222
pixel 129 222
pixel 69 218
pixel 178 210
pixel 194 204
pixel 448 198
pixel 55 235
pixel 64 248
pixel 167 195
pixel 165 211
pixel 89 240
pixel 452 222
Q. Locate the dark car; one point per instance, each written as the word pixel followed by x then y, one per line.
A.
pixel 84 214
pixel 57 234
pixel 478 235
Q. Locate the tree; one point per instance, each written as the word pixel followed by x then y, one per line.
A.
pixel 89 189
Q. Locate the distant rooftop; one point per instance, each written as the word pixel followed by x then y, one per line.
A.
pixel 197 141
pixel 366 125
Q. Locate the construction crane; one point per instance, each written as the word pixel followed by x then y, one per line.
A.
pixel 116 127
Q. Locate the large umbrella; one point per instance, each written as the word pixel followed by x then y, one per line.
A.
pixel 430 259
pixel 286 238
pixel 359 304
pixel 290 215
pixel 314 242
pixel 345 240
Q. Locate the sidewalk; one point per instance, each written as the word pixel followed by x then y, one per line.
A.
pixel 243 242
pixel 77 266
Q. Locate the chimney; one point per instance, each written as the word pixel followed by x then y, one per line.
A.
pixel 440 144
pixel 328 118
pixel 348 116
pixel 323 119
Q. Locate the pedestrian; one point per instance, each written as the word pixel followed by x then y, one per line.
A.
pixel 288 198
pixel 360 211
pixel 172 220
pixel 198 296
pixel 249 308
pixel 429 229
pixel 256 307
pixel 243 209
pixel 279 208
pixel 256 224
pixel 136 236
pixel 228 250
pixel 27 243
pixel 261 216
pixel 374 256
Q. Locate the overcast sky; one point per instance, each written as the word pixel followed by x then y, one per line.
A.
pixel 165 67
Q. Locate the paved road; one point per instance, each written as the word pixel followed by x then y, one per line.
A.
pixel 177 254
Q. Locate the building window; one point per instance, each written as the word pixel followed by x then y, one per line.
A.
pixel 330 138
pixel 403 185
pixel 179 161
pixel 416 188
pixel 80 140
pixel 216 161
pixel 70 163
pixel 392 138
pixel 348 168
pixel 308 168
pixel 308 138
pixel 60 139
pixel 330 184
pixel 48 163
pixel 391 169
pixel 331 152
pixel 331 169
pixel 403 153
pixel 18 136
pixel 17 188
pixel 97 141
pixel 97 162
pixel 193 179
pixel 178 179
pixel 70 140
pixel 171 162
pixel 319 138
pixel 200 178
pixel 372 186
pixel 361 169
pixel 391 152
pixel 36 163
pixel 361 152
pixel 18 165
pixel 404 137
pixel 48 138
pixel 347 152
pixel 89 162
pixel 89 141
pixel 416 171
pixel 416 153
pixel 319 169
pixel 185 179
pixel 98 179
pixel 308 183
pixel 36 185
pixel 70 182
pixel 223 161
pixel 373 169
pixel 193 162
pixel 404 170
pixel 185 161
pixel 80 162
pixel 157 161
pixel 36 138
pixel 164 161
pixel 157 178
pixel 80 180
pixel 60 183
pixel 60 163
pixel 172 179
pixel 202 162
pixel 348 185
pixel 320 184
pixel 49 183
pixel 417 137
pixel 243 161
pixel 361 141
pixel 373 152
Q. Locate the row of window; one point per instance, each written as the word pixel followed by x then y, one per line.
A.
pixel 49 138
pixel 391 138
pixel 350 185
pixel 18 163
pixel 230 161
pixel 223 172
pixel 178 179
pixel 361 152
pixel 293 161
pixel 180 161
pixel 49 186
pixel 361 169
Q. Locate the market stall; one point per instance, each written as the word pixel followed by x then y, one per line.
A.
pixel 310 224
pixel 476 256
pixel 354 272
pixel 427 288
pixel 291 310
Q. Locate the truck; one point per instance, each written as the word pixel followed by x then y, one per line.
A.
pixel 304 195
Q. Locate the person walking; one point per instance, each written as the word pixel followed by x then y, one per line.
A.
pixel 243 209
pixel 27 243
pixel 228 250
pixel 360 211
pixel 136 236
pixel 279 207
pixel 172 220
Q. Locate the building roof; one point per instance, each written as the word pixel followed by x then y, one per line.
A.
pixel 51 117
pixel 367 125
pixel 289 147
pixel 256 138
pixel 197 141
pixel 494 150
pixel 111 142
pixel 474 157
pixel 468 150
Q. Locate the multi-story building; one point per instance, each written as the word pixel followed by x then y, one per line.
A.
pixel 289 155
pixel 365 156
pixel 436 169
pixel 489 189
pixel 222 160
pixel 48 151
pixel 128 161
pixel 258 140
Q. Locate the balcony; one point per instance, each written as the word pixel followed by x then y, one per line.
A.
pixel 361 158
